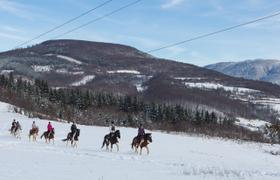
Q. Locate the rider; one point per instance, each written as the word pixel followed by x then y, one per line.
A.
pixel 34 126
pixel 73 128
pixel 13 125
pixel 112 128
pixel 141 133
pixel 50 128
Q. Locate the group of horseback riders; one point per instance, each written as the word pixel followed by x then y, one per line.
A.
pixel 49 134
pixel 141 140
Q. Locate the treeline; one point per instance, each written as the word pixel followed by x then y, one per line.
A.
pixel 99 108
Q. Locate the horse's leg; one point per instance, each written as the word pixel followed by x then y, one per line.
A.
pixel 141 150
pixel 18 135
pixel 111 147
pixel 148 151
pixel 136 149
pixel 117 147
pixel 107 146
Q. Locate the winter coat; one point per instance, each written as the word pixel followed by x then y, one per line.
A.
pixel 141 131
pixel 34 126
pixel 73 128
pixel 14 124
pixel 50 127
pixel 112 129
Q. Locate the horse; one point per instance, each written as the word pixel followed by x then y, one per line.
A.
pixel 112 139
pixel 12 130
pixel 34 133
pixel 73 137
pixel 136 143
pixel 48 136
pixel 16 131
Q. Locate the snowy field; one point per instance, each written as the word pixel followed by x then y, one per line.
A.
pixel 209 85
pixel 172 157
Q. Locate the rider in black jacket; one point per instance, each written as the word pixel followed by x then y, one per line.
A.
pixel 73 128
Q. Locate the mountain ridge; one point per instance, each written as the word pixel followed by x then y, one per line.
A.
pixel 120 69
pixel 259 69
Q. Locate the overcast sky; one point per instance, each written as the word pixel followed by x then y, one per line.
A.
pixel 151 24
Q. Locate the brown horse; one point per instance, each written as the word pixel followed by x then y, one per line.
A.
pixel 33 133
pixel 48 136
pixel 147 139
pixel 111 139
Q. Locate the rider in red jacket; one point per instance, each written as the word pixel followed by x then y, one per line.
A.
pixel 50 128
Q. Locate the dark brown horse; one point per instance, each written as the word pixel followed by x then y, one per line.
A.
pixel 146 140
pixel 33 133
pixel 112 139
pixel 16 131
pixel 73 138
pixel 48 136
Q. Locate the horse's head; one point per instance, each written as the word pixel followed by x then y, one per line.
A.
pixel 118 134
pixel 149 137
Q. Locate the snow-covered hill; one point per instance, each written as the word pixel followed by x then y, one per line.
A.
pixel 177 157
pixel 260 69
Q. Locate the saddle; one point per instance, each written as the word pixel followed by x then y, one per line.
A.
pixel 34 130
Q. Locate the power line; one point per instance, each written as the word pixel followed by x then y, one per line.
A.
pixel 99 18
pixel 215 32
pixel 67 22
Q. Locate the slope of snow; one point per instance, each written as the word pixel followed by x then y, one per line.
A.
pixel 177 157
pixel 84 80
pixel 209 85
pixel 38 68
pixel 140 87
pixel 124 72
pixel 188 78
pixel 253 124
pixel 70 59
pixel 65 71
pixel 273 103
pixel 6 71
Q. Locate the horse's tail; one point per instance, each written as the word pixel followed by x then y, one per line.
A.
pixel 65 139
pixel 42 135
pixel 133 143
pixel 104 142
